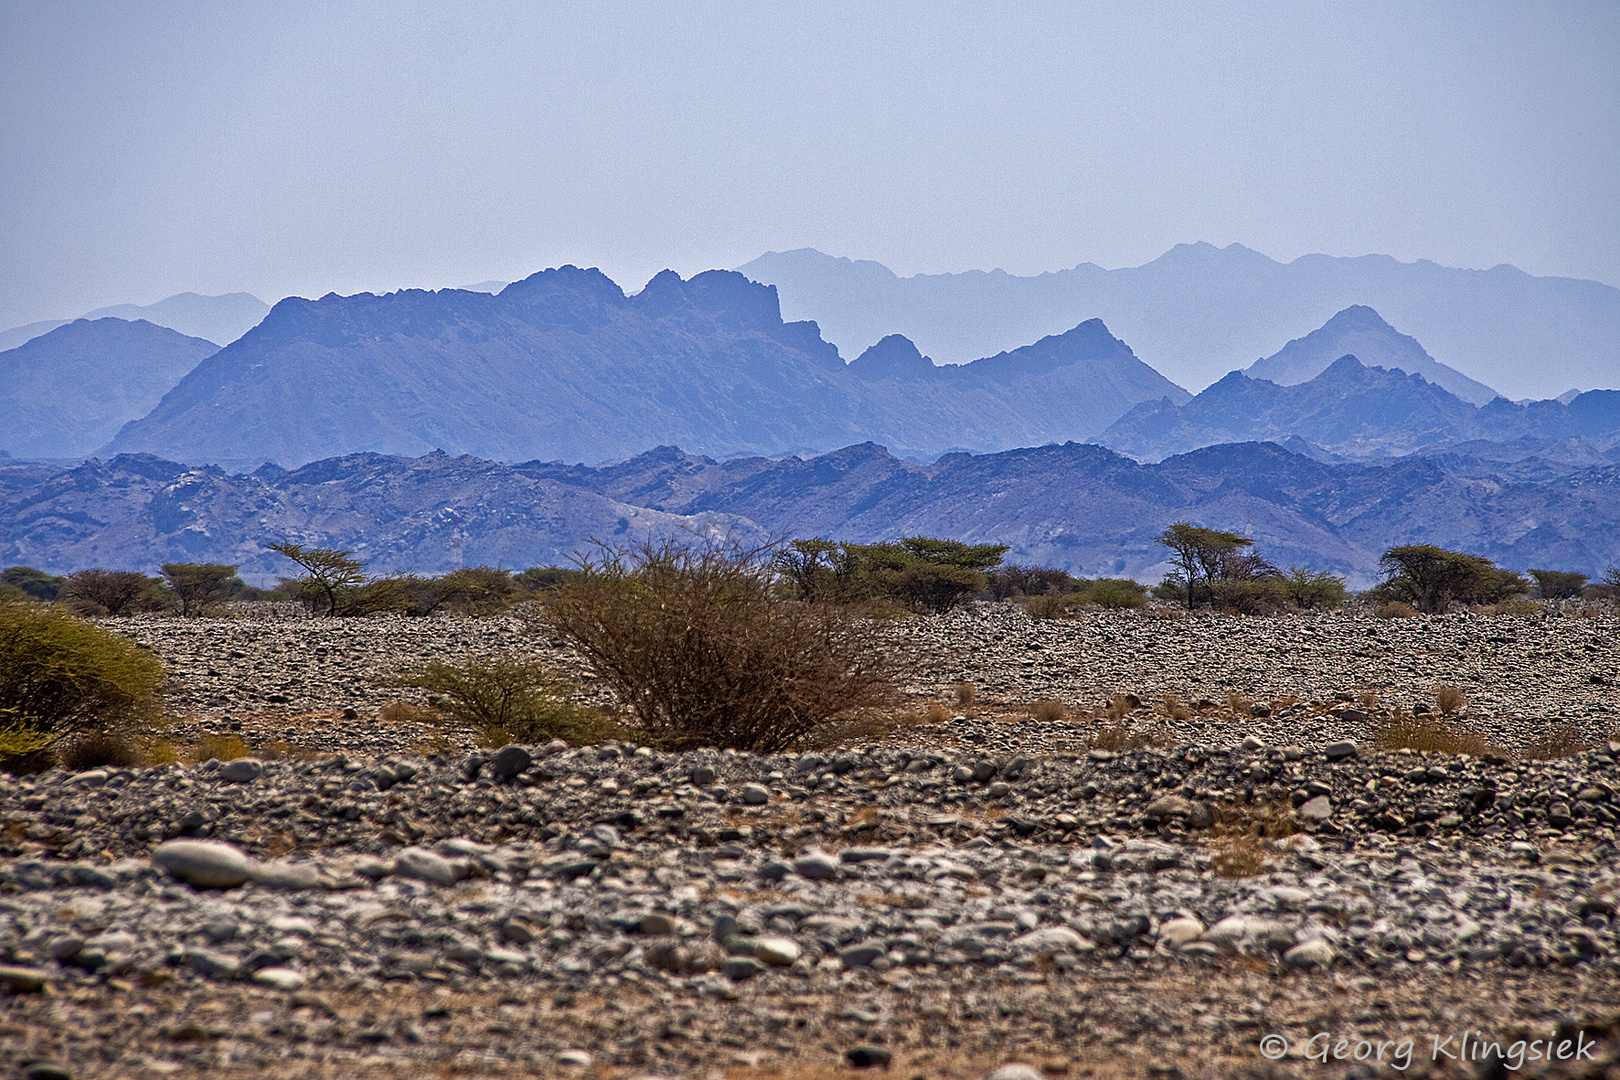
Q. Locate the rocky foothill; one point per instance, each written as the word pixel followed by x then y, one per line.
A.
pixel 983 890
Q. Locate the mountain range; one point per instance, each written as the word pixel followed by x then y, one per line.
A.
pixel 217 319
pixel 1198 312
pixel 564 364
pixel 1079 507
pixel 68 391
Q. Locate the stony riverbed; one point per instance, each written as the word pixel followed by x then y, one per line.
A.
pixel 950 898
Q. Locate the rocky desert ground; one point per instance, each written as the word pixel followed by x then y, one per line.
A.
pixel 1235 880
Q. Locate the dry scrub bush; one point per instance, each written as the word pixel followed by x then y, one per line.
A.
pixel 1557 742
pixel 965 694
pixel 510 700
pixel 1428 733
pixel 1244 833
pixel 695 644
pixel 1395 609
pixel 1046 606
pixel 219 747
pixel 1448 699
pixel 1173 708
pixel 936 713
pixel 1121 737
pixel 1048 711
pixel 62 677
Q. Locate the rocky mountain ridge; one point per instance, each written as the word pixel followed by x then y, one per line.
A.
pixel 1080 507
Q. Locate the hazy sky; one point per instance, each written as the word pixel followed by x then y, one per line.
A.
pixel 288 148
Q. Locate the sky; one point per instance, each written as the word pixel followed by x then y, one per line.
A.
pixel 302 148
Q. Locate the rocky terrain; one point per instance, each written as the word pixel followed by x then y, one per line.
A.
pixel 957 893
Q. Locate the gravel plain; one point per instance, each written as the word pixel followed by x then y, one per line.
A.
pixel 967 891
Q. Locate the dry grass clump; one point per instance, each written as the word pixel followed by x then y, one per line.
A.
pixel 97 748
pixel 1046 606
pixel 221 747
pixel 1119 737
pixel 1448 699
pixel 936 713
pixel 1430 734
pixel 401 711
pixel 1395 609
pixel 1173 707
pixel 1240 705
pixel 1557 742
pixel 1048 711
pixel 1245 836
pixel 965 694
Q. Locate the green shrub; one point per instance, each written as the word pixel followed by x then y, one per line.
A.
pixel 697 647
pixel 1558 584
pixel 61 676
pixel 1115 594
pixel 331 577
pixel 1010 581
pixel 1308 589
pixel 511 700
pixel 35 583
pixel 1431 579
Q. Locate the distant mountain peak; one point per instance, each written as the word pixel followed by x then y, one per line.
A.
pixel 894 357
pixel 1363 332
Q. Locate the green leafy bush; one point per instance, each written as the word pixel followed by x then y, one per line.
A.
pixel 196 585
pixel 35 583
pixel 699 649
pixel 1307 588
pixel 508 699
pixel 113 592
pixel 1431 579
pixel 1558 584
pixel 1115 594
pixel 61 676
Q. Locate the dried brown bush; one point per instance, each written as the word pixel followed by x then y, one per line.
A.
pixel 1448 699
pixel 1244 834
pixel 1120 737
pixel 965 694
pixel 1174 708
pixel 97 748
pixel 1048 711
pixel 936 713
pixel 220 747
pixel 1557 742
pixel 696 646
pixel 1428 733
pixel 1395 609
pixel 1046 606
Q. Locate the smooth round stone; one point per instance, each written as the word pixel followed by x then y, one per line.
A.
pixel 777 951
pixel 1178 932
pixel 657 924
pixel 23 980
pixel 47 1070
pixel 204 864
pixel 90 778
pixel 1051 939
pixel 508 763
pixel 425 865
pixel 1015 1071
pixel 738 968
pixel 279 977
pixel 576 1058
pixel 285 875
pixel 1314 953
pixel 816 865
pixel 241 771
pixel 756 794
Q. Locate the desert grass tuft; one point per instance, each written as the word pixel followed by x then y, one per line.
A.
pixel 966 693
pixel 1430 734
pixel 220 747
pixel 1048 711
pixel 1448 699
pixel 1244 836
pixel 1174 708
pixel 1557 742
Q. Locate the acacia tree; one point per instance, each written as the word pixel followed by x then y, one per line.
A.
pixel 113 590
pixel 1206 555
pixel 196 585
pixel 1430 578
pixel 329 573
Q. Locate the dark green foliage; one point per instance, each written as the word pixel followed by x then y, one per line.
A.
pixel 1306 588
pixel 61 676
pixel 1558 584
pixel 36 583
pixel 196 585
pixel 113 591
pixel 921 572
pixel 1216 565
pixel 330 579
pixel 1431 579
pixel 545 578
pixel 1009 581
pixel 1112 593
pixel 697 646
pixel 508 699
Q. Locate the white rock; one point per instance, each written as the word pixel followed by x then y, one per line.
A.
pixel 777 951
pixel 285 875
pixel 576 1058
pixel 279 977
pixel 1051 939
pixel 756 794
pixel 241 771
pixel 1016 1071
pixel 205 864
pixel 1179 931
pixel 425 865
pixel 1315 953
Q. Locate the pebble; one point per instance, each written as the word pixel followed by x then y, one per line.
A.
pixel 425 865
pixel 241 770
pixel 205 864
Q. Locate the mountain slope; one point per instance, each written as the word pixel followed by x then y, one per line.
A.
pixel 1082 508
pixel 564 365
pixel 219 319
pixel 1355 411
pixel 68 391
pixel 1198 311
pixel 1360 331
